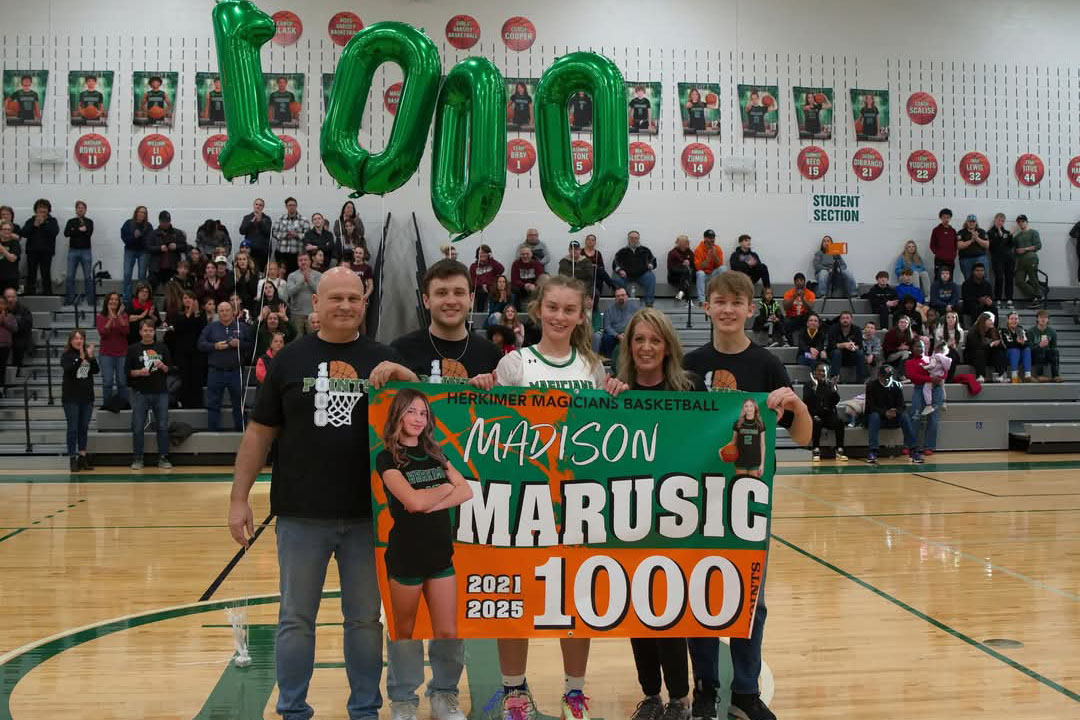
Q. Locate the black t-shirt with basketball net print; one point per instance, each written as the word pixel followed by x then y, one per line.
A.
pixel 455 360
pixel 755 369
pixel 316 393
pixel 420 544
pixel 280 102
pixel 639 110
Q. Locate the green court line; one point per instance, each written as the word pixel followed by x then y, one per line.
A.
pixel 11 534
pixel 933 621
pixel 918 514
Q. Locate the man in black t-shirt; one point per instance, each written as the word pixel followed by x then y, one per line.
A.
pixel 281 101
pixel 147 369
pixel 641 111
pixel 314 403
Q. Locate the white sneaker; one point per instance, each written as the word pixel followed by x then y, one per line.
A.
pixel 928 410
pixel 137 464
pixel 403 711
pixel 679 296
pixel 444 706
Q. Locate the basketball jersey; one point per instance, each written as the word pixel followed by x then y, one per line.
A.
pixel 537 371
pixel 748 444
pixel 521 108
pixel 26 99
pixel 812 113
pixel 870 121
pixel 755 115
pixel 217 106
pixel 280 101
pixel 155 98
pixel 639 107
pixel 696 114
pixel 582 110
pixel 91 97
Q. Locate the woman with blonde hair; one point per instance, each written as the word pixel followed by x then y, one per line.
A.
pixel 909 258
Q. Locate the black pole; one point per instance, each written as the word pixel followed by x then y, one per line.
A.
pixel 48 364
pixel 689 313
pixel 26 412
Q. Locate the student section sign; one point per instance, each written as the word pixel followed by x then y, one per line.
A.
pixel 646 514
pixel 836 209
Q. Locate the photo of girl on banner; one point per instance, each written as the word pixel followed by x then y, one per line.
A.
pixel 579 110
pixel 760 110
pixel 746 450
pixel 643 100
pixel 89 96
pixel 327 87
pixel 814 112
pixel 286 96
pixel 210 101
pixel 421 487
pixel 24 95
pixel 699 104
pixel 870 108
pixel 519 107
pixel 155 97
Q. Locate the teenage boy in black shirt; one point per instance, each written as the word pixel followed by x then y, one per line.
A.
pixel 883 299
pixel 314 403
pixel 147 369
pixel 732 358
pixel 640 111
pixel 91 96
pixel 215 103
pixel 29 103
pixel 281 101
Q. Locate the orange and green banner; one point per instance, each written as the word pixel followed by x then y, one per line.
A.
pixel 567 512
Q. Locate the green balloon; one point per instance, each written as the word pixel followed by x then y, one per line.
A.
pixel 352 165
pixel 468 153
pixel 582 205
pixel 240 29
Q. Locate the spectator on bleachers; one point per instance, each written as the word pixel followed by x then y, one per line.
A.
pixel 257 230
pixel 525 273
pixel 883 299
pixel 360 264
pixel 502 337
pixel 540 252
pixel 187 325
pixel 914 313
pixel 1017 349
pixel 844 346
pixel 635 263
pixel 746 261
pixel 972 246
pixel 811 347
pixel 943 243
pixel 262 365
pixel 574 264
pixel 885 409
pixel 209 307
pixel 944 293
pixel 270 301
pixel 708 262
pixel 348 239
pixel 183 277
pixel 289 232
pixel 7 213
pixel 23 338
pixel 798 304
pixel 449 251
pixel 226 342
pixel 597 259
pixel 140 308
pixel 1002 260
pixel 499 298
pixel 245 279
pixel 77 394
pixel 950 332
pixel 510 318
pixel 680 267
pixel 313 323
pixel 79 230
pixel 616 318
pixel 300 286
pixel 147 367
pixel 319 262
pixel 933 317
pixel 1027 244
pixel 896 347
pixel 826 265
pixel 976 294
pixel 198 263
pixel 113 328
pixel 214 285
pixel 8 326
pixel 906 288
pixel 273 323
pixel 10 252
pixel 243 314
pixel 134 233
pixel 821 399
pixel 319 237
pixel 909 258
pixel 212 238
pixel 39 233
pixel 871 347
pixel 165 245
pixel 596 320
pixel 351 238
pixel 770 318
pixel 483 273
pixel 272 277
pixel 919 376
pixel 983 348
pixel 1044 349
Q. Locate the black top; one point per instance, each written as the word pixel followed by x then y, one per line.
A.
pixel 279 103
pixel 9 270
pixel 316 393
pixel 747 444
pixel 869 120
pixel 217 106
pixel 817 341
pixel 79 231
pixel 821 401
pixel 695 114
pixel 453 361
pixel 140 356
pixel 257 233
pixel 91 97
pixel 880 398
pixel 185 334
pixel 26 99
pixel 78 382
pixel 41 239
pixel 133 328
pixel 699 386
pixel 521 105
pixel 836 335
pixel 420 544
pixel 755 118
pixel 581 106
pixel 812 116
pixel 639 110
pixel 155 98
pixel 878 296
pixel 974 249
pixel 1001 244
pixel 755 369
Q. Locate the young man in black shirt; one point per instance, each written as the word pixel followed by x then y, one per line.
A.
pixel 314 403
pixel 26 97
pixel 640 111
pixel 733 361
pixel 281 101
pixel 147 369
pixel 91 97
pixel 883 299
pixel 79 230
pixel 844 345
pixel 746 261
pixel 155 97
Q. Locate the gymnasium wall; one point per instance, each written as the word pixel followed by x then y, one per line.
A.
pixel 1006 77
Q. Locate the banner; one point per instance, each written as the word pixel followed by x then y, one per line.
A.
pixel 814 112
pixel 646 514
pixel 209 100
pixel 870 109
pixel 89 97
pixel 699 106
pixel 155 97
pixel 835 208
pixel 519 105
pixel 759 106
pixel 643 107
pixel 286 96
pixel 24 96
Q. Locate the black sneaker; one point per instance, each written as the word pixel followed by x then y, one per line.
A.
pixel 651 708
pixel 76 466
pixel 704 704
pixel 84 463
pixel 676 710
pixel 749 707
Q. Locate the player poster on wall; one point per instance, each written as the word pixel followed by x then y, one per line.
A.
pixel 24 96
pixel 155 97
pixel 814 112
pixel 759 110
pixel 90 97
pixel 699 106
pixel 871 111
pixel 327 86
pixel 643 104
pixel 286 95
pixel 519 107
pixel 209 100
pixel 579 111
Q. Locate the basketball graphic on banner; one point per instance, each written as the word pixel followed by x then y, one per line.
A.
pixel 867 164
pixel 292 151
pixel 392 98
pixel 581 152
pixel 922 108
pixel 343 26
pixel 520 156
pixel 1030 169
pixel 518 33
pixel 974 168
pixel 211 150
pixel 92 151
pixel 1074 171
pixel 813 162
pixel 289 27
pixel 462 31
pixel 922 166
pixel 642 159
pixel 697 160
pixel 156 152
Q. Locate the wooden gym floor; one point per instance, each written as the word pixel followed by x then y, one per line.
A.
pixel 888 590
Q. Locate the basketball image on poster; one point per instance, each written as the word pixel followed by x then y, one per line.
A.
pixel 814 112
pixel 209 100
pixel 286 96
pixel 699 107
pixel 870 110
pixel 579 111
pixel 89 97
pixel 759 108
pixel 421 487
pixel 643 107
pixel 519 106
pixel 24 96
pixel 155 97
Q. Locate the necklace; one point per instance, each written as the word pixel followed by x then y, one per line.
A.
pixel 468 337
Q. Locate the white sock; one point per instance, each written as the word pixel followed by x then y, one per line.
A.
pixel 513 681
pixel 571 683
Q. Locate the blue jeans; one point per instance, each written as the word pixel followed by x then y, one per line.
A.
pixel 918 402
pixel 1018 355
pixel 875 420
pixel 76 259
pixel 141 404
pixel 967 264
pixel 745 654
pixel 131 257
pixel 646 280
pixel 405 668
pixel 77 414
pixel 837 361
pixel 823 283
pixel 304 547
pixel 1043 356
pixel 217 382
pixel 113 377
pixel 702 277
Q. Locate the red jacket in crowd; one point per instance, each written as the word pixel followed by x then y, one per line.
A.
pixel 943 243
pixel 521 273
